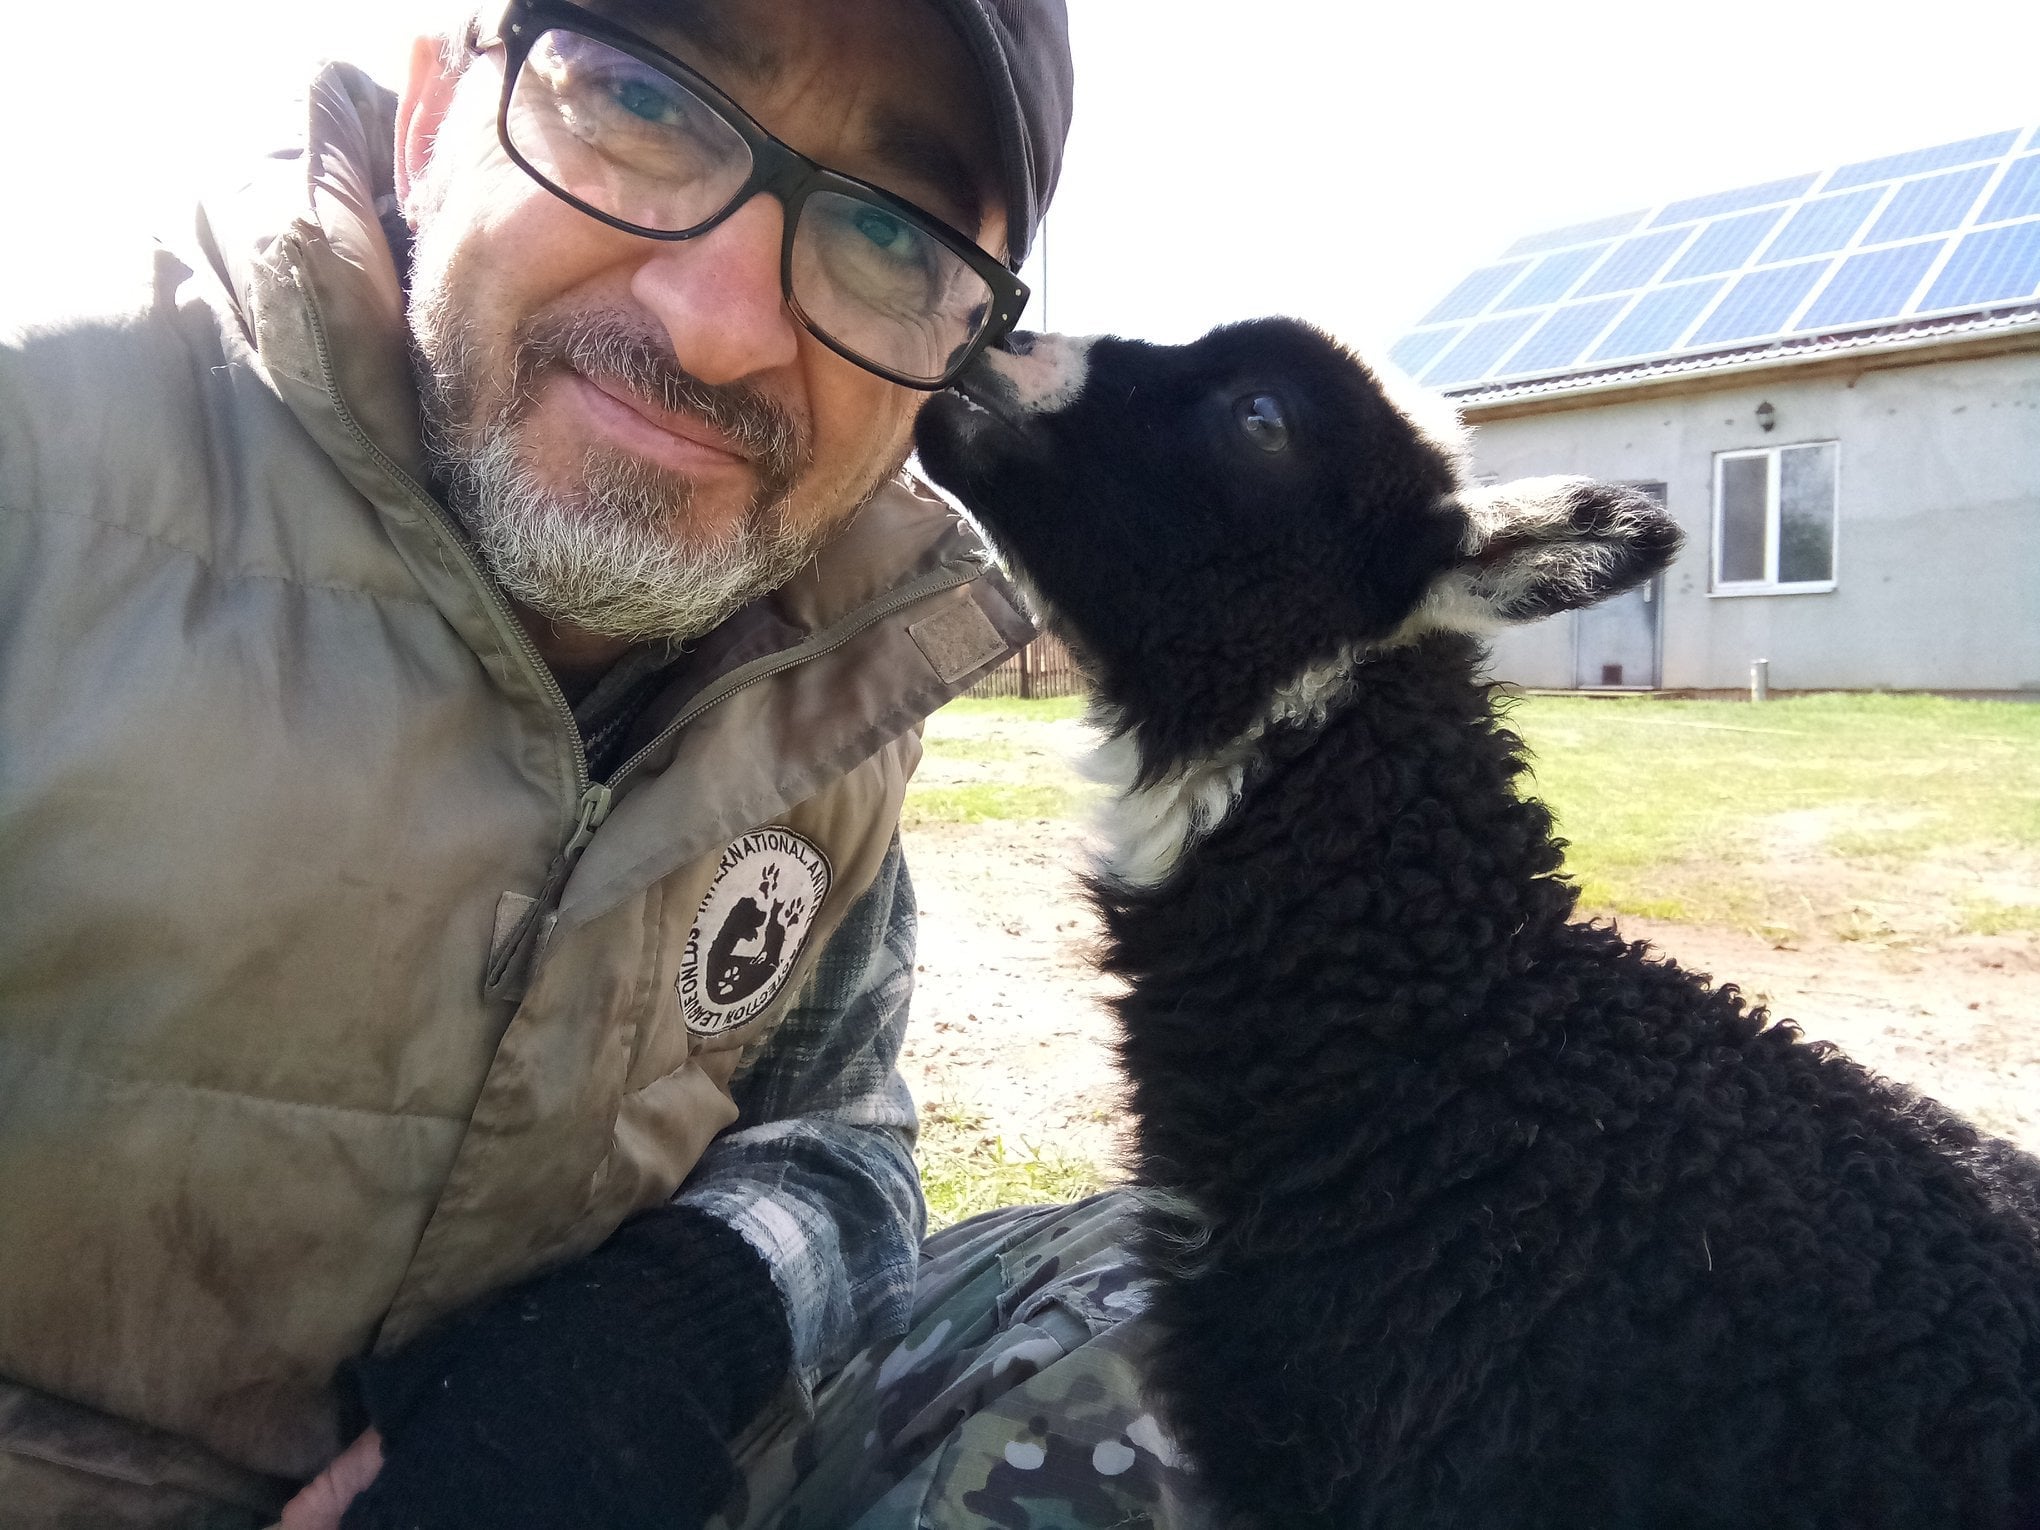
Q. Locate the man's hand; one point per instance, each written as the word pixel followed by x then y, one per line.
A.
pixel 604 1392
pixel 327 1496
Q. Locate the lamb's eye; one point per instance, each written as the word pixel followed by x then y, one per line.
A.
pixel 1264 420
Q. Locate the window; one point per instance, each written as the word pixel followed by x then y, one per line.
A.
pixel 1774 519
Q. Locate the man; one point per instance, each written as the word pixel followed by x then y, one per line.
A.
pixel 456 944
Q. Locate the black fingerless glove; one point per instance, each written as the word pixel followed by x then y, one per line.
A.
pixel 602 1394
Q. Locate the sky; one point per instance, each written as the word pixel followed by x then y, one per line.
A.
pixel 1340 160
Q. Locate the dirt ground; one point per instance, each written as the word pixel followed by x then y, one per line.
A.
pixel 1009 1022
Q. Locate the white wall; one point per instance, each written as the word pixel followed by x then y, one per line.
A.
pixel 1937 537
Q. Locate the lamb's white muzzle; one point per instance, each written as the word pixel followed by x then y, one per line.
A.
pixel 1048 377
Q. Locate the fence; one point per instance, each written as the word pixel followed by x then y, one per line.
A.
pixel 1042 668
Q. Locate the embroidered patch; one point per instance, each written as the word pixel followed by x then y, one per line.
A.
pixel 760 910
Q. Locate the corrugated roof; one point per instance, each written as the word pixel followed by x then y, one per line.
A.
pixel 1852 257
pixel 1913 334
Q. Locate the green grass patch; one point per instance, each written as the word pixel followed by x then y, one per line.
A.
pixel 1723 812
pixel 1861 817
pixel 982 802
pixel 1010 709
pixel 1987 918
pixel 966 1170
pixel 995 760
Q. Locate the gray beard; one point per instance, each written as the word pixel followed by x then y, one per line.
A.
pixel 607 559
pixel 617 554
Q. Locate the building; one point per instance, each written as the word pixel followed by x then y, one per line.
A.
pixel 1833 381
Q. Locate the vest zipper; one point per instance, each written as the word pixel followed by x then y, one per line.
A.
pixel 592 813
pixel 595 803
pixel 512 958
pixel 592 802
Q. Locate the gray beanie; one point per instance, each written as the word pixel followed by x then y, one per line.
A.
pixel 1022 49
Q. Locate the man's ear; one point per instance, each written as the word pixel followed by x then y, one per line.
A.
pixel 421 110
pixel 1544 545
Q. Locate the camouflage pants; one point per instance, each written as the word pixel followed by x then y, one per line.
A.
pixel 1013 1401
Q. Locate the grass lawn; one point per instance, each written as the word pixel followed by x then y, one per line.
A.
pixel 1888 817
pixel 966 1169
pixel 1000 760
pixel 1856 815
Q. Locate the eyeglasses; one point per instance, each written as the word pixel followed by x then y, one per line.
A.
pixel 631 136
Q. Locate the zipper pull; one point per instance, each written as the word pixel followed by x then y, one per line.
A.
pixel 509 964
pixel 595 803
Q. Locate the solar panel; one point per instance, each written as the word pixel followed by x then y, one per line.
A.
pixel 1567 332
pixel 2018 194
pixel 1934 231
pixel 1941 156
pixel 1549 280
pixel 1726 244
pixel 1475 293
pixel 1762 303
pixel 1791 189
pixel 1415 352
pixel 1823 225
pixel 1878 285
pixel 1657 320
pixel 1479 349
pixel 1931 206
pixel 1634 262
pixel 1999 265
pixel 1578 233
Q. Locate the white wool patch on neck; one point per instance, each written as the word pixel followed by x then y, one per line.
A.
pixel 1144 830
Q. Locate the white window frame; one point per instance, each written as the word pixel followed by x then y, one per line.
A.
pixel 1773 511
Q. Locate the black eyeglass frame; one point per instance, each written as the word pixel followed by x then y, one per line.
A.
pixel 777 168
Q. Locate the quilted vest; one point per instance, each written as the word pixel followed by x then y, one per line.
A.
pixel 333 994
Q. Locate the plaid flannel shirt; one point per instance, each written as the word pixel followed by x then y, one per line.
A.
pixel 818 1171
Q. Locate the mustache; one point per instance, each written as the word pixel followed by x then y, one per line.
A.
pixel 640 359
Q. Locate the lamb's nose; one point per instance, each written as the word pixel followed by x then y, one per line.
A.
pixel 1038 374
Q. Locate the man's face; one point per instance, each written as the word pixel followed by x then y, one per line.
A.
pixel 639 434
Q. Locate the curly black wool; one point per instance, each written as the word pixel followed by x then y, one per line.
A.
pixel 1466 1214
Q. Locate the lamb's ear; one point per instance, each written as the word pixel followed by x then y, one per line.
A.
pixel 1543 545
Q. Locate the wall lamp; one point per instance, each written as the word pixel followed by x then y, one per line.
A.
pixel 1767 417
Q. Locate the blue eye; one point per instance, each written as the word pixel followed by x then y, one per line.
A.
pixel 882 229
pixel 643 99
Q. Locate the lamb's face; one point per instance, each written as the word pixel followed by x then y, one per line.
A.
pixel 1203 521
pixel 1207 523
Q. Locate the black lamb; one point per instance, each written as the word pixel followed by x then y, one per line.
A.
pixel 1463 1213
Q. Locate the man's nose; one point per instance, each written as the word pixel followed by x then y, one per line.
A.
pixel 719 296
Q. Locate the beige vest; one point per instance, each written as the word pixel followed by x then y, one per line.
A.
pixel 331 995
